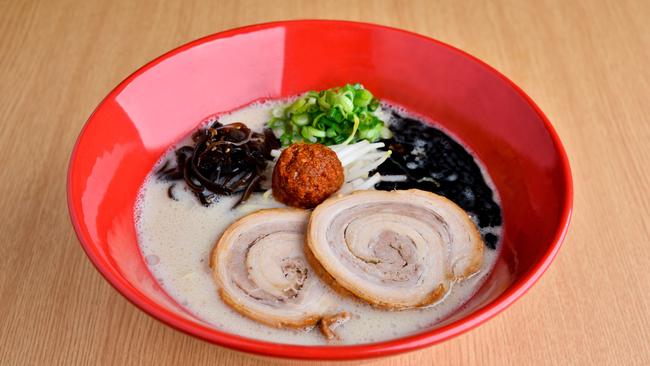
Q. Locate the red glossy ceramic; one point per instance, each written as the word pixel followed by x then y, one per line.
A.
pixel 167 98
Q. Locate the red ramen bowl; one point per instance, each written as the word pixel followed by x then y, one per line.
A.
pixel 166 99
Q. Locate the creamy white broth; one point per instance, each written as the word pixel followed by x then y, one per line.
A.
pixel 177 236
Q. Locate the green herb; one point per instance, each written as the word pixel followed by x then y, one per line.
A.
pixel 334 116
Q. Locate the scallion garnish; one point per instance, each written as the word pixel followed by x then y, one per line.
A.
pixel 334 116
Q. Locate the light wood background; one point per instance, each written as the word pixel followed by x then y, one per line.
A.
pixel 586 63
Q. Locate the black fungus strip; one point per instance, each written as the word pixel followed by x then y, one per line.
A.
pixel 252 186
pixel 170 192
pixel 163 168
pixel 224 160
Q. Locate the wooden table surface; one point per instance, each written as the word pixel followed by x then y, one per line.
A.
pixel 584 62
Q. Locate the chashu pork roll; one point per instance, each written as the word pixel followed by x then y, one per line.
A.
pixel 259 264
pixel 396 250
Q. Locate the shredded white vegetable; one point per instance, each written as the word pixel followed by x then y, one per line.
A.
pixel 370 182
pixel 276 153
pixel 358 161
pixel 355 152
pixel 393 178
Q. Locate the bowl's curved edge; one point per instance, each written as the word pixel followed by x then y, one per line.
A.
pixel 385 348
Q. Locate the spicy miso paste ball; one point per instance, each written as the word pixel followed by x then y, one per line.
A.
pixel 306 174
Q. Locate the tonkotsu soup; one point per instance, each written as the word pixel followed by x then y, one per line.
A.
pixel 177 232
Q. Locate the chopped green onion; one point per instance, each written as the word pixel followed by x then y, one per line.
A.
pixel 308 132
pixel 300 119
pixel 362 98
pixel 277 112
pixel 354 130
pixel 333 116
pixel 385 133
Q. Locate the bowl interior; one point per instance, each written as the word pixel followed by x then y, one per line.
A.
pixel 166 99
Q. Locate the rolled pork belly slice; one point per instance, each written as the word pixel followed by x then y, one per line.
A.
pixel 260 266
pixel 395 249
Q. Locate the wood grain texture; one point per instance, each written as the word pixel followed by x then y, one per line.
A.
pixel 584 62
